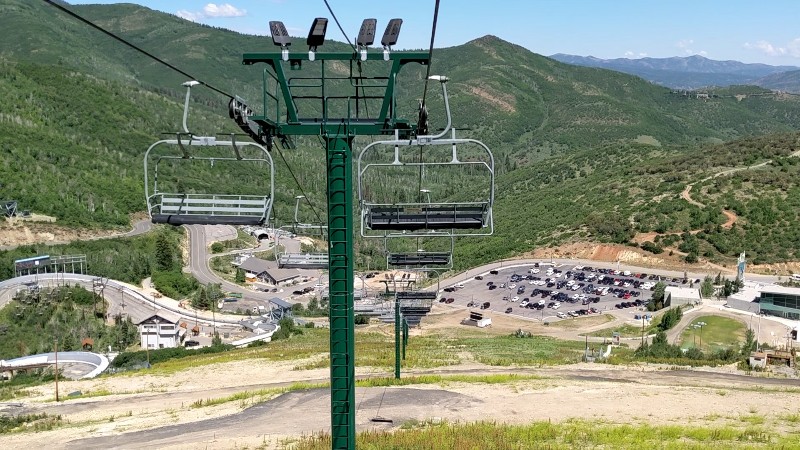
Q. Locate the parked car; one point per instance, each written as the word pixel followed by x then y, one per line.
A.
pixel 493 272
pixel 486 305
pixel 478 277
pixel 509 309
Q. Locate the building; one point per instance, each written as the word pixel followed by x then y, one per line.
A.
pixel 677 295
pixel 780 301
pixel 268 271
pixel 160 330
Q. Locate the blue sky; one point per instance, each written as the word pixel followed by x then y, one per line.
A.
pixel 747 31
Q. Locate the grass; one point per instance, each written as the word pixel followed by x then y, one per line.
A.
pixel 375 349
pixel 567 435
pixel 718 333
pixel 28 422
pixel 582 322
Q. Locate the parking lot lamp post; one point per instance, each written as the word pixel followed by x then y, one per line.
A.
pixel 642 330
pixel 701 324
pixel 427 192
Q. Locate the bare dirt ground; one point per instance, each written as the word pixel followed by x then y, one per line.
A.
pixel 41 229
pixel 151 411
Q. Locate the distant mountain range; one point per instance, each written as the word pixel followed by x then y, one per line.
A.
pixel 694 72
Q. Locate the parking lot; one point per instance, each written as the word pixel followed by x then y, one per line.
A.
pixel 546 291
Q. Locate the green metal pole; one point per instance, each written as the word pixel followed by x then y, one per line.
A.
pixel 405 337
pixel 340 252
pixel 397 326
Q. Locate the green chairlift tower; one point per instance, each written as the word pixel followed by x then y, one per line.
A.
pixel 338 117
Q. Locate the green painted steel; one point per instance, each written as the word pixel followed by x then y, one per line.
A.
pixel 397 326
pixel 277 123
pixel 280 118
pixel 405 337
pixel 340 252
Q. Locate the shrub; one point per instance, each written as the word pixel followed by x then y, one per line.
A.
pixel 361 319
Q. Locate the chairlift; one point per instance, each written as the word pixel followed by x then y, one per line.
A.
pixel 300 260
pixel 183 208
pixel 419 219
pixel 421 259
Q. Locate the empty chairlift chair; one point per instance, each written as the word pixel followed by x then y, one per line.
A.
pixel 441 259
pixel 174 201
pixel 300 260
pixel 420 218
pixel 457 218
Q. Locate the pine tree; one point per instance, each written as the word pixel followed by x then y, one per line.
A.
pixel 165 258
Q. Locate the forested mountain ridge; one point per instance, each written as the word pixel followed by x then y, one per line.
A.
pixel 82 109
pixel 689 72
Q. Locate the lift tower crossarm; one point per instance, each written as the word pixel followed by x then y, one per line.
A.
pixel 384 123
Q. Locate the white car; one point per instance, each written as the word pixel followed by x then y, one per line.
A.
pixel 557 305
pixel 512 286
pixel 515 299
pixel 561 315
pixel 524 303
pixel 535 270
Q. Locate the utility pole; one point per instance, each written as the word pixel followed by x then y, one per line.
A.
pixel 55 350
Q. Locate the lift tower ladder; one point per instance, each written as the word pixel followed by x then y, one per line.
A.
pixel 337 116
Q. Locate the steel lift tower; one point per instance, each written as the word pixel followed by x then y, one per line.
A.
pixel 335 108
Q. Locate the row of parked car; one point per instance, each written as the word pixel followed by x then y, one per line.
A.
pixel 634 304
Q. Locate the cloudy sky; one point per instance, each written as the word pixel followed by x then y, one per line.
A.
pixel 747 31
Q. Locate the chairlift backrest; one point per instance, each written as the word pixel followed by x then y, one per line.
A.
pixel 420 218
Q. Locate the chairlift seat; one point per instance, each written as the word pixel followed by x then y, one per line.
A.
pixel 204 209
pixel 419 259
pixel 303 261
pixel 429 217
pixel 416 295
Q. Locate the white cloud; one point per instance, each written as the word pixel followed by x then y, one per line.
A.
pixel 212 10
pixel 188 15
pixel 793 47
pixel 686 45
pixel 766 47
pixel 223 10
pixel 632 54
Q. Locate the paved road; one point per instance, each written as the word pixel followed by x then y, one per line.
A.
pixel 200 236
pixel 121 297
pixel 308 411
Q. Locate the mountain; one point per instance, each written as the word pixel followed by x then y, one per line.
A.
pixel 784 81
pixel 690 72
pixel 80 109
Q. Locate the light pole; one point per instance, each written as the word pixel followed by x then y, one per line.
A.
pixel 699 326
pixel 642 330
pixel 55 350
pixel 427 193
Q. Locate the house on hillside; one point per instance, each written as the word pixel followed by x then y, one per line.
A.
pixel 268 271
pixel 161 330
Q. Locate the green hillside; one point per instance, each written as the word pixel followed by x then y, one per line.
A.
pixel 583 153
